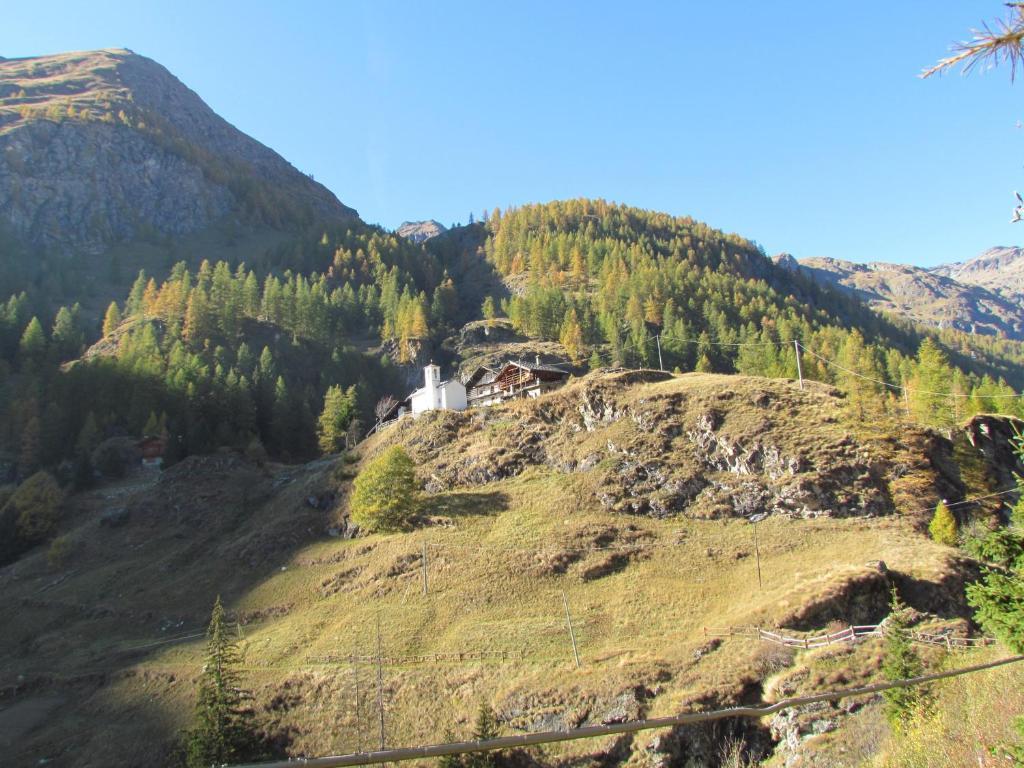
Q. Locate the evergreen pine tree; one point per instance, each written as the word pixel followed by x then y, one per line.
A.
pixel 33 342
pixel 67 337
pixel 451 761
pixel 901 662
pixel 223 730
pixel 998 597
pixel 339 408
pixel 486 728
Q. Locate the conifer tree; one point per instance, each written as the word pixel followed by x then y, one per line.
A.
pixel 998 597
pixel 488 309
pixel 31 446
pixel 486 728
pixel 111 319
pixel 88 439
pixel 134 303
pixel 33 342
pixel 930 391
pixel 337 414
pixel 223 730
pixel 450 761
pixel 943 527
pixel 571 336
pixel 901 662
pixel 67 337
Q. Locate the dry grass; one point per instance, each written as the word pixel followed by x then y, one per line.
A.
pixel 493 589
pixel 967 717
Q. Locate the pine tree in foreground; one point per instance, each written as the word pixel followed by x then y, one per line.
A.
pixel 998 597
pixel 486 729
pixel 223 731
pixel 901 662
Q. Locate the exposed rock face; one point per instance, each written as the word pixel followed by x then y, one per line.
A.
pixel 107 146
pixel 700 447
pixel 936 297
pixel 999 269
pixel 421 231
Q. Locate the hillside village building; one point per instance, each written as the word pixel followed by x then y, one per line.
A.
pixel 437 395
pixel 434 395
pixel 490 386
pixel 486 386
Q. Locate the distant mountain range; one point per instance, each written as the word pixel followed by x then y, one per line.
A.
pixel 999 269
pixel 983 295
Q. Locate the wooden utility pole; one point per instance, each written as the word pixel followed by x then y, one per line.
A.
pixel 424 567
pixel 572 635
pixel 380 685
pixel 661 365
pixel 757 556
pixel 799 367
pixel 359 711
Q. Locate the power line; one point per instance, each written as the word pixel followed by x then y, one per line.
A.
pixel 588 732
pixel 900 387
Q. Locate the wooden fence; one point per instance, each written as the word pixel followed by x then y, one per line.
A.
pixel 428 658
pixel 850 634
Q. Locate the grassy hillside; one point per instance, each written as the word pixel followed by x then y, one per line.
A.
pixel 511 523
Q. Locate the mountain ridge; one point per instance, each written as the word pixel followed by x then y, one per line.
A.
pixel 99 149
pixel 929 296
pixel 999 269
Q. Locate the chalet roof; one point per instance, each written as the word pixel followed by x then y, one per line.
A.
pixel 482 375
pixel 537 367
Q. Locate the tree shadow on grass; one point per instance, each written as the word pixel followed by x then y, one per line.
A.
pixel 463 504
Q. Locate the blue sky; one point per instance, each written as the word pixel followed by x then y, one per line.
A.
pixel 801 125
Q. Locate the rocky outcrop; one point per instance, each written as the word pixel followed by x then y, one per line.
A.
pixel 421 231
pixel 701 447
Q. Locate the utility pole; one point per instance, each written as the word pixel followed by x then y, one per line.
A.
pixel 359 712
pixel 799 368
pixel 661 365
pixel 380 686
pixel 572 635
pixel 757 556
pixel 424 567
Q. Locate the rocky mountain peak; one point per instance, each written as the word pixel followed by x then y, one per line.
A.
pixel 932 297
pixel 107 146
pixel 421 231
pixel 999 269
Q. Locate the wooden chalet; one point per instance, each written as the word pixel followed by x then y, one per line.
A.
pixel 152 448
pixel 493 385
